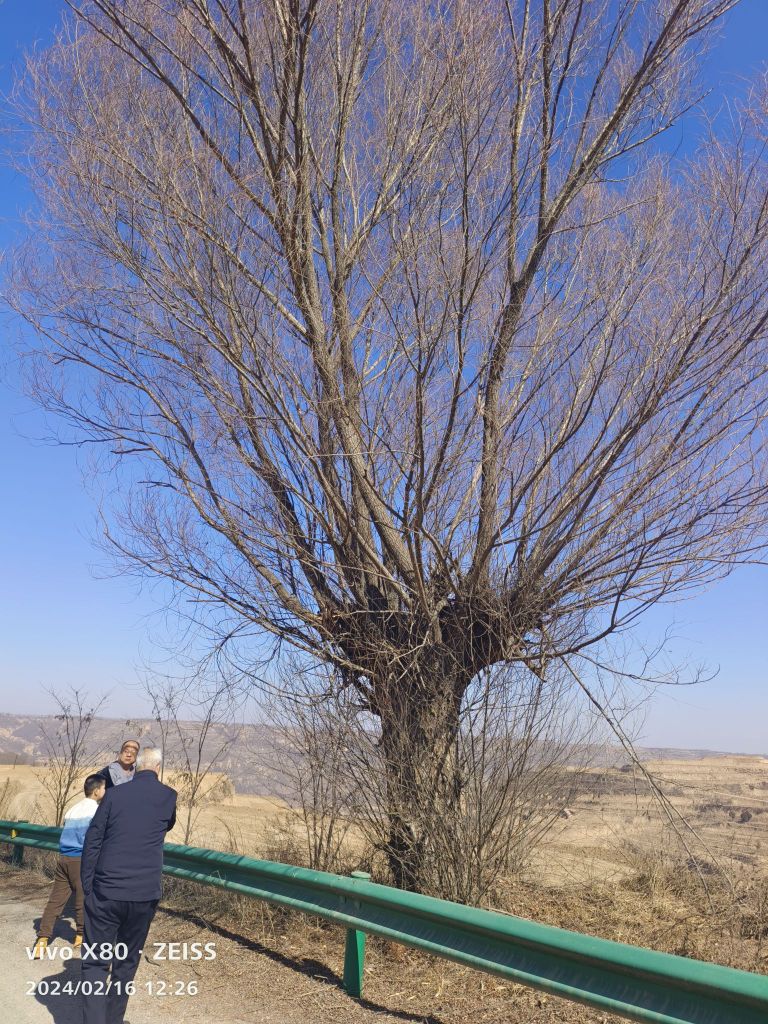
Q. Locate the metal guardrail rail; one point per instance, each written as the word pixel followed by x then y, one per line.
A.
pixel 633 982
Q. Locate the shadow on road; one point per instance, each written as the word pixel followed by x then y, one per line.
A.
pixel 63 1007
pixel 304 965
pixel 61 929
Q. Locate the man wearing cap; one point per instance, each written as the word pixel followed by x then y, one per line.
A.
pixel 124 768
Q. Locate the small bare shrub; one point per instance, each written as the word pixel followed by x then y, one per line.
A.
pixel 659 872
pixel 68 754
pixel 280 842
pixel 9 791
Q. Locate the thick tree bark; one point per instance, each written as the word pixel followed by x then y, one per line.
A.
pixel 419 718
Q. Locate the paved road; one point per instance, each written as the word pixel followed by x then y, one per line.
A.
pixel 22 898
pixel 247 984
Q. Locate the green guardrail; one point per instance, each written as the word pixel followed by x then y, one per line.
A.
pixel 633 982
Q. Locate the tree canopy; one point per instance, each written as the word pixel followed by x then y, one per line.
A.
pixel 428 354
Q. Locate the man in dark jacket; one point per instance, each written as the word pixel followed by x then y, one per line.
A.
pixel 120 870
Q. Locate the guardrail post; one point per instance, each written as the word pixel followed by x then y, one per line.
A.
pixel 354 954
pixel 17 855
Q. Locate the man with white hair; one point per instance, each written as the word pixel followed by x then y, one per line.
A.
pixel 121 868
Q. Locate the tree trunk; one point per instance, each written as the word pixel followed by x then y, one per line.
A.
pixel 419 730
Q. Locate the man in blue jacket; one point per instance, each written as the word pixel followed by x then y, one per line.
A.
pixel 120 869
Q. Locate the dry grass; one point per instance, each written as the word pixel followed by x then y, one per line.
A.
pixel 661 909
pixel 10 791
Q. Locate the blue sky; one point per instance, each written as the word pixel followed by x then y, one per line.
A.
pixel 65 618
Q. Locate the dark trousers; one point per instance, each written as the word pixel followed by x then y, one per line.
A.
pixel 112 922
pixel 66 880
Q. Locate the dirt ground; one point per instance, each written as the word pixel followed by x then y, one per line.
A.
pixel 723 800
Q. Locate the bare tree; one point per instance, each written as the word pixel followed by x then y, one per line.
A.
pixel 10 790
pixel 164 705
pixel 522 752
pixel 519 756
pixel 408 342
pixel 68 756
pixel 197 730
pixel 307 763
